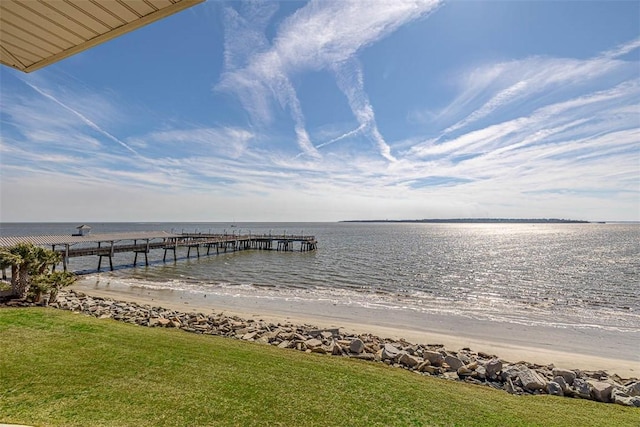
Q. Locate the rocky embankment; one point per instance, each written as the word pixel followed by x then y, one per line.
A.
pixel 430 359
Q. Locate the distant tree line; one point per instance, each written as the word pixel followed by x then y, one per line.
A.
pixel 480 221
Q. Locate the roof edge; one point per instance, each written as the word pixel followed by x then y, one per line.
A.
pixel 116 32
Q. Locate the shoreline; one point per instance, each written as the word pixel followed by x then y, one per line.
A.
pixel 522 344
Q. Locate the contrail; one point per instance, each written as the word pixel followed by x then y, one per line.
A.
pixel 346 135
pixel 82 117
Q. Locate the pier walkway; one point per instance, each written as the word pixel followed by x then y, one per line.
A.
pixel 107 244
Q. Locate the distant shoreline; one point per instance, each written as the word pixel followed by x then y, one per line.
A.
pixel 480 221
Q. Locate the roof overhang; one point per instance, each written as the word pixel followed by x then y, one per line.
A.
pixel 37 33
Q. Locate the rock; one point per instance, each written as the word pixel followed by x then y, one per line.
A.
pixel 555 389
pixel 511 372
pixel 284 344
pixel 601 391
pixel 270 336
pixel 508 386
pixel 313 343
pixel 242 332
pixel 464 371
pixel 477 368
pixel 633 389
pixel 249 336
pixel 464 357
pixel 568 375
pixel 356 346
pixel 324 333
pixel 472 366
pixel 390 352
pixel 480 373
pixel 563 384
pixel 435 358
pixel 413 350
pixel 334 348
pixel 422 365
pixel 163 322
pixel 453 362
pixel 531 380
pixel 622 398
pixel 492 368
pixel 433 370
pixel 581 388
pixel 450 376
pixel 408 360
pixel 597 375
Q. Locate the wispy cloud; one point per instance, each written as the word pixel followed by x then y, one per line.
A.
pixel 82 117
pixel 556 135
pixel 534 80
pixel 322 35
pixel 351 82
pixel 621 50
pixel 223 141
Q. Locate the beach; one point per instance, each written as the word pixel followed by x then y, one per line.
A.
pixel 511 342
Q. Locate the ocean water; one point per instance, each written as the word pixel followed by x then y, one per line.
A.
pixel 577 276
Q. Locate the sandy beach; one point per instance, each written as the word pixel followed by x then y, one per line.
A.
pixel 511 342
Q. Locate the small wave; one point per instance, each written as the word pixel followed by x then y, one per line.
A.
pixel 491 306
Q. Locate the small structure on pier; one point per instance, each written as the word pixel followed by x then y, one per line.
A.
pixel 83 230
pixel 106 245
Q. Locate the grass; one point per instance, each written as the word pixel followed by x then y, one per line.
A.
pixel 63 369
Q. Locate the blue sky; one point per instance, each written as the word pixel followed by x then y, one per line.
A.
pixel 323 111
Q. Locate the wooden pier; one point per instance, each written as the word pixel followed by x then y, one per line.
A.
pixel 108 244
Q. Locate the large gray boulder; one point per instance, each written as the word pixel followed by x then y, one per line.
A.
pixel 356 346
pixel 567 374
pixel 531 380
pixel 601 391
pixel 408 360
pixel 511 372
pixel 435 358
pixel 313 343
pixel 390 352
pixel 453 362
pixel 493 367
pixel 555 389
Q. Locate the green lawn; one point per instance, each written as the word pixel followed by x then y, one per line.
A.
pixel 60 368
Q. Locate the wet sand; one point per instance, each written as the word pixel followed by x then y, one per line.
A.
pixel 568 348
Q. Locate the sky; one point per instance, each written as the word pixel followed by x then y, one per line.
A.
pixel 335 110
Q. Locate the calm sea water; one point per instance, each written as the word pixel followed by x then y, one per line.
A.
pixel 563 275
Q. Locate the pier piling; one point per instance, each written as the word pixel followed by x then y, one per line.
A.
pixel 108 244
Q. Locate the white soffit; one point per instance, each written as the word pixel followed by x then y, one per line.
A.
pixel 37 33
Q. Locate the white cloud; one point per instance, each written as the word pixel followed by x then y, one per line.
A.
pixel 224 141
pixel 546 136
pixel 499 85
pixel 322 35
pixel 622 49
pixel 351 82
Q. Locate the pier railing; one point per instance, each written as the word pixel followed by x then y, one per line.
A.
pixel 107 245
